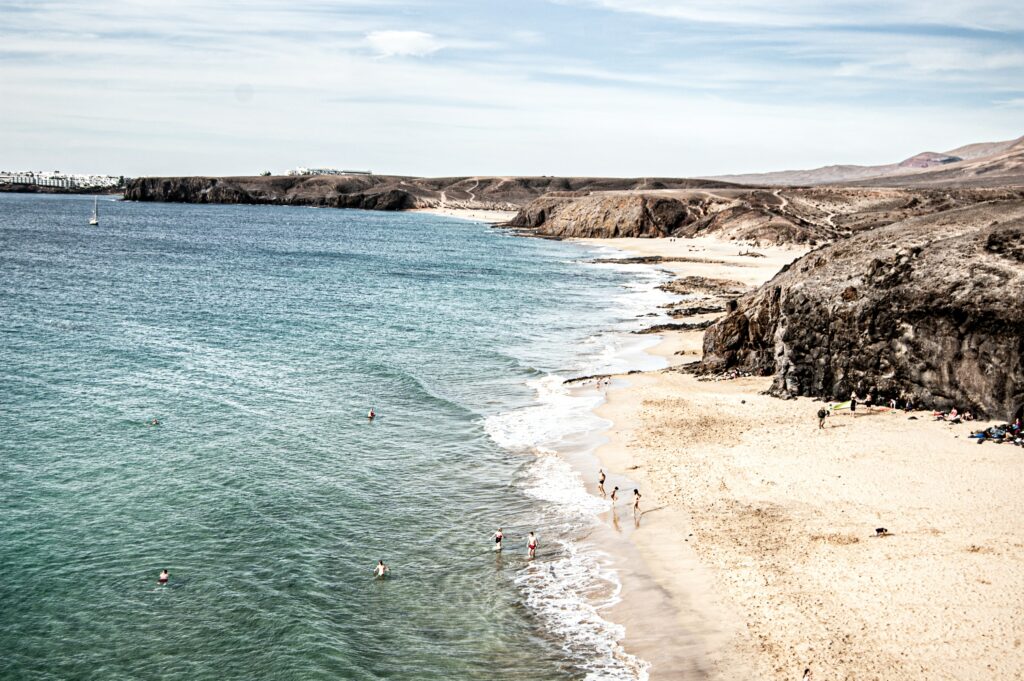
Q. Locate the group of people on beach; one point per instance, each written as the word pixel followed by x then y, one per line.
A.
pixel 871 400
pixel 601 477
pixel 1009 433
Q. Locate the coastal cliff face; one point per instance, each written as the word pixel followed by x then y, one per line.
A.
pixel 929 307
pixel 344 192
pixel 385 192
pixel 779 216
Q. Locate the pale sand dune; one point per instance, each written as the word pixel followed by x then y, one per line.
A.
pixel 492 216
pixel 782 555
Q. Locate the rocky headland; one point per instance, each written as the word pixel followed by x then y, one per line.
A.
pixel 928 307
pixel 386 192
pixel 778 216
pixel 913 289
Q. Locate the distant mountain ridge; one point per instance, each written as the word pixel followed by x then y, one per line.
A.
pixel 983 164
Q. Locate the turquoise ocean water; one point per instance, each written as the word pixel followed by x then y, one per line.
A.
pixel 259 337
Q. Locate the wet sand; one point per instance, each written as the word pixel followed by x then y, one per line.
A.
pixel 759 528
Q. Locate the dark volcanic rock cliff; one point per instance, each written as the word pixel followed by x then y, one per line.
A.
pixel 356 191
pixel 931 307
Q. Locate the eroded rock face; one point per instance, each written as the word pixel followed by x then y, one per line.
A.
pixel 607 214
pixel 931 307
pixel 778 216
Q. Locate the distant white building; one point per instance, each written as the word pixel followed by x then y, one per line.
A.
pixel 326 171
pixel 56 178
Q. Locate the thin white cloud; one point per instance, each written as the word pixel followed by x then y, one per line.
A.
pixel 994 15
pixel 403 43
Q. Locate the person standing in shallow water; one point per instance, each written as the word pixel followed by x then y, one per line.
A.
pixel 164 577
pixel 498 536
pixel 600 481
pixel 380 570
pixel 615 495
pixel 531 545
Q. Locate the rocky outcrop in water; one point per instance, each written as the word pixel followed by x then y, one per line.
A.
pixel 929 307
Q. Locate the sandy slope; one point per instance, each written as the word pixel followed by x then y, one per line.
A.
pixel 476 215
pixel 782 517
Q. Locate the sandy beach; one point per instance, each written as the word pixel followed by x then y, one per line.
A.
pixel 760 528
pixel 476 215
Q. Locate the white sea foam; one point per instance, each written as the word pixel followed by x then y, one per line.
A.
pixel 550 478
pixel 568 592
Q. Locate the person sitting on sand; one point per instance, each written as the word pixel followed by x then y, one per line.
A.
pixel 380 570
pixel 164 577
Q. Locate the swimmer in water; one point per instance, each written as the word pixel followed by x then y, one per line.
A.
pixel 154 422
pixel 163 578
pixel 531 545
pixel 381 569
pixel 371 416
pixel 498 536
pixel 600 480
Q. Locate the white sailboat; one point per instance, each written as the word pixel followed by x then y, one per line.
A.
pixel 95 219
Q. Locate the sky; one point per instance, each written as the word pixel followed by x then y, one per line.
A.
pixel 669 88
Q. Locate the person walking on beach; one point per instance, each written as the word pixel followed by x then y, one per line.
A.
pixel 498 536
pixel 531 545
pixel 164 577
pixel 615 495
pixel 822 415
pixel 600 480
pixel 853 403
pixel 636 500
pixel 380 570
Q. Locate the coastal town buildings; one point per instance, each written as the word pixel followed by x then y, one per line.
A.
pixel 58 179
pixel 326 171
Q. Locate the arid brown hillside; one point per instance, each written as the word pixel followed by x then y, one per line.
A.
pixel 385 192
pixel 808 215
pixel 983 164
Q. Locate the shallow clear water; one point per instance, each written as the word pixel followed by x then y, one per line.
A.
pixel 260 337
